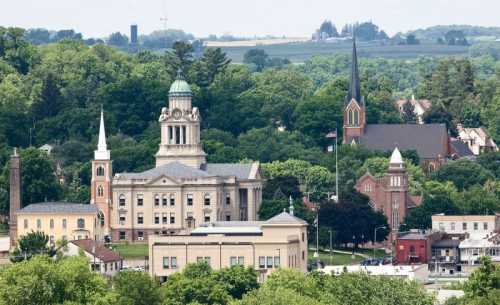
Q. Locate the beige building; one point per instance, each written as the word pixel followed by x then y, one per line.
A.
pixel 60 221
pixel 264 245
pixel 419 107
pixel 476 226
pixel 477 139
pixel 182 191
pixel 101 259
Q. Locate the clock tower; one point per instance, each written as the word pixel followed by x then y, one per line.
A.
pixel 180 128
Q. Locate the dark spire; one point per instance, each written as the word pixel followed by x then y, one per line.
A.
pixel 354 85
pixel 180 74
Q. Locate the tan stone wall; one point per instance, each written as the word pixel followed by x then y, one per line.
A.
pixel 71 232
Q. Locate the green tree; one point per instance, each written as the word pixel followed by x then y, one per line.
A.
pixel 459 172
pixel 179 58
pixel 329 29
pixel 280 296
pixel 44 281
pixel 215 62
pixel 408 114
pixel 39 182
pixel 118 40
pixel 256 57
pixel 484 280
pixel 238 280
pixel 33 243
pixel 136 288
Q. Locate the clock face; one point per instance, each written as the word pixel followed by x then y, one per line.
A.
pixel 176 113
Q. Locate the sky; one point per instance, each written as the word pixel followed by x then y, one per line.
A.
pixel 292 18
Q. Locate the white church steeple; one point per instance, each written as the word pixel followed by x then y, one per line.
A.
pixel 102 152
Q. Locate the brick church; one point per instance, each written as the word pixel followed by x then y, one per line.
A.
pixel 431 141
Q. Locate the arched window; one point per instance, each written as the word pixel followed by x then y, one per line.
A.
pixel 356 117
pixel 100 170
pixel 80 223
pixel 100 216
pixel 350 117
pixel 121 200
pixel 157 200
pixel 395 214
pixel 100 191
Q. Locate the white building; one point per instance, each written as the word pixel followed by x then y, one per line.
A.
pixel 476 226
pixel 419 107
pixel 477 139
pixel 418 273
pixel 101 259
pixel 472 249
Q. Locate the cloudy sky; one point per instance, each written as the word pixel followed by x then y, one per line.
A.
pixel 293 18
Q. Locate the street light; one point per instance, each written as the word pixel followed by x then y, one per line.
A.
pixel 375 238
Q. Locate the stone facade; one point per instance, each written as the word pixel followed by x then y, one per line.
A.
pixel 266 246
pixel 182 191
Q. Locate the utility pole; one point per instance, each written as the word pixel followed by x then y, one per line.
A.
pixel 331 250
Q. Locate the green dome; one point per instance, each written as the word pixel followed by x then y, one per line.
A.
pixel 180 87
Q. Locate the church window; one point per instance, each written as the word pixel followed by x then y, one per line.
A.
pixel 183 134
pixel 122 200
pixel 356 117
pixel 100 216
pixel 157 200
pixel 100 170
pixel 170 135
pixel 395 181
pixel 80 223
pixel 368 188
pixel 100 191
pixel 350 117
pixel 140 200
pixel 395 214
pixel 189 199
pixel 177 135
pixel 207 199
pixel 172 199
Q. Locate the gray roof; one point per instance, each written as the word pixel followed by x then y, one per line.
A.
pixel 172 169
pixel 239 170
pixel 461 148
pixel 58 207
pixel 446 243
pixel 285 218
pixel 179 170
pixel 427 139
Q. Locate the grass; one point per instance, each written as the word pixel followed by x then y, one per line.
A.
pixel 336 258
pixel 300 52
pixel 131 251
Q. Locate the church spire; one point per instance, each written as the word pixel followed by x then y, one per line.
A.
pixel 102 152
pixel 354 85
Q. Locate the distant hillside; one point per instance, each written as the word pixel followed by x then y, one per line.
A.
pixel 473 33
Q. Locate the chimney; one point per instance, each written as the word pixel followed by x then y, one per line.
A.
pixel 15 195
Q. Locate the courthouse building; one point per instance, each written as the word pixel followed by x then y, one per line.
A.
pixel 264 245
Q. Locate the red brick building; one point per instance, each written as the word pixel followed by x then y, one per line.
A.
pixel 389 193
pixel 413 248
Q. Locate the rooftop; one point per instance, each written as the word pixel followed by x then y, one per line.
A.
pixel 98 249
pixel 58 207
pixel 429 140
pixel 413 236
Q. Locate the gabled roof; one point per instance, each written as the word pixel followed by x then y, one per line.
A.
pixel 58 207
pixel 285 218
pixel 429 140
pixel 98 249
pixel 461 148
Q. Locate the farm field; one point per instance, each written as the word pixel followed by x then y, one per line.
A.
pixel 300 52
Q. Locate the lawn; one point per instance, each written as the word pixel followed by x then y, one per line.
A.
pixel 336 258
pixel 131 251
